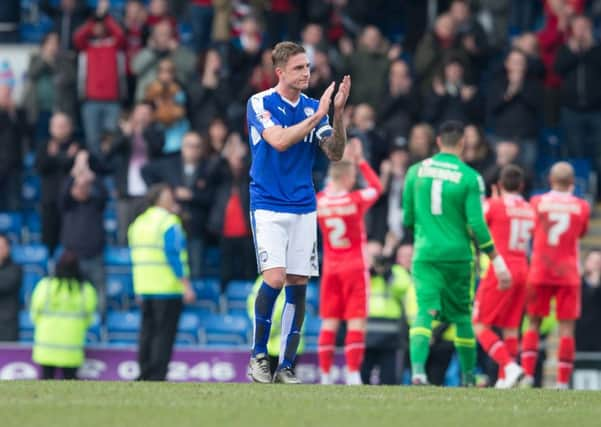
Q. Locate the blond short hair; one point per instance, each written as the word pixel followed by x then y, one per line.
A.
pixel 283 51
pixel 340 169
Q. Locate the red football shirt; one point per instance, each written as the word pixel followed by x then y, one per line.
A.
pixel 510 219
pixel 340 217
pixel 561 220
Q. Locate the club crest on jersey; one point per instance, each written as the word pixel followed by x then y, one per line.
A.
pixel 265 116
pixel 309 111
pixel 263 256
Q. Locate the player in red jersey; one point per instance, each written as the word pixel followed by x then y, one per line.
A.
pixel 511 220
pixel 345 277
pixel 561 220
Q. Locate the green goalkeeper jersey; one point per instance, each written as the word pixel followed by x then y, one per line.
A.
pixel 442 202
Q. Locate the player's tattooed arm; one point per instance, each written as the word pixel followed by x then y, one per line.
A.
pixel 333 145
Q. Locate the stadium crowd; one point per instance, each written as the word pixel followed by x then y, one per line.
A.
pixel 127 94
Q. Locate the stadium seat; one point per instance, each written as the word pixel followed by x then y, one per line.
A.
pixel 188 328
pixel 311 326
pixel 236 295
pixel 25 327
pixel 28 282
pixel 32 257
pixel 208 294
pixel 33 227
pixel 211 261
pixel 30 191
pixel 312 298
pixel 119 290
pixel 224 330
pixel 11 224
pixel 110 223
pixel 117 256
pixel 123 327
pixel 117 259
pixel 94 334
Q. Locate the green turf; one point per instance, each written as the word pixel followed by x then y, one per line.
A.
pixel 84 404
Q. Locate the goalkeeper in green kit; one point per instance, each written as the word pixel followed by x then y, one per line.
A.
pixel 442 203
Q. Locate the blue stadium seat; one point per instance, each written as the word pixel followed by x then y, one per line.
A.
pixel 211 261
pixel 25 327
pixel 188 328
pixel 32 257
pixel 311 326
pixel 33 227
pixel 28 282
pixel 110 223
pixel 236 295
pixel 119 290
pixel 224 330
pixel 117 259
pixel 208 294
pixel 11 224
pixel 117 256
pixel 94 334
pixel 30 191
pixel 312 298
pixel 123 327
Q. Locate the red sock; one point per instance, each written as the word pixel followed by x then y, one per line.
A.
pixel 529 352
pixel 325 349
pixel 354 347
pixel 512 344
pixel 494 346
pixel 566 360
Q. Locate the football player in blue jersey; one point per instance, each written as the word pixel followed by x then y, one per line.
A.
pixel 286 127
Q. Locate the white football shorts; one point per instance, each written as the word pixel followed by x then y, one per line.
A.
pixel 286 240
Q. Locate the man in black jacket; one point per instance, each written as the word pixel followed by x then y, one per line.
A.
pixel 10 284
pixel 587 326
pixel 82 203
pixel 515 106
pixel 578 62
pixel 192 176
pixel 54 161
pixel 399 109
pixel 451 97
pixel 10 152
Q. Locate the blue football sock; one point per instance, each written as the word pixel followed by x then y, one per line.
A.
pixel 264 303
pixel 292 322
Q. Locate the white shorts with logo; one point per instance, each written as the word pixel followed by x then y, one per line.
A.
pixel 286 240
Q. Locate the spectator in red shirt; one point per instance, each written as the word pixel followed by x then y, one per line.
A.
pixel 551 38
pixel 101 82
pixel 134 24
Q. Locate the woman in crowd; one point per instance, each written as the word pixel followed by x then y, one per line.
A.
pixel 62 309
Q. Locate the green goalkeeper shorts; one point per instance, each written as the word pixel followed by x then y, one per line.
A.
pixel 445 287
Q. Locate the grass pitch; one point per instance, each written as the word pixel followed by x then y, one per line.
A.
pixel 103 404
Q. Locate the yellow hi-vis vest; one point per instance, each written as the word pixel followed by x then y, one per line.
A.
pixel 152 273
pixel 61 313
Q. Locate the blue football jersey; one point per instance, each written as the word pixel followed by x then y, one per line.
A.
pixel 282 181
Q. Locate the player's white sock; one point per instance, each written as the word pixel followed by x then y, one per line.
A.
pixel 562 386
pixel 325 378
pixel 353 378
